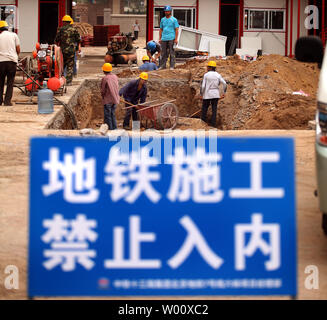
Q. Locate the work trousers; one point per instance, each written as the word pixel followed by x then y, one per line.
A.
pixel 136 35
pixel 69 66
pixel 205 105
pixel 109 116
pixel 129 112
pixel 7 70
pixel 167 49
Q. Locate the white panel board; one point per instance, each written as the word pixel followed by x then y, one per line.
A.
pixel 28 19
pixel 139 55
pixel 217 48
pixel 251 42
pixel 196 40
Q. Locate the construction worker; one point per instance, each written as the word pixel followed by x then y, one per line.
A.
pixel 168 35
pixel 210 91
pixel 136 29
pixel 110 96
pixel 147 65
pixel 153 50
pixel 134 92
pixel 11 20
pixel 78 49
pixel 68 38
pixel 9 51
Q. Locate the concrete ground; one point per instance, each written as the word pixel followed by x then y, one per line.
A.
pixel 21 122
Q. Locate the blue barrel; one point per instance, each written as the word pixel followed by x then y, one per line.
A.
pixel 45 100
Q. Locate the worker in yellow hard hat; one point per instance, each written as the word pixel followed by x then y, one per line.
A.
pixel 147 65
pixel 9 51
pixel 78 49
pixel 110 96
pixel 134 92
pixel 210 93
pixel 68 39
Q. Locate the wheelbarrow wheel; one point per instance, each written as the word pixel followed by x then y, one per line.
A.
pixel 168 116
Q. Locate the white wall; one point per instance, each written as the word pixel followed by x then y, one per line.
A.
pixel 265 3
pixel 303 31
pixel 209 16
pixel 175 3
pixel 126 21
pixel 28 24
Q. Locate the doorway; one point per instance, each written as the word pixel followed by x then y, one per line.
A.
pixel 49 18
pixel 230 24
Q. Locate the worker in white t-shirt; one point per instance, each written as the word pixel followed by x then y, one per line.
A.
pixel 9 51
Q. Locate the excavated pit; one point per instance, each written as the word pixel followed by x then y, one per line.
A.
pixel 88 108
pixel 260 95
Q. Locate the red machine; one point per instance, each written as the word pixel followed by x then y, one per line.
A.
pixel 48 64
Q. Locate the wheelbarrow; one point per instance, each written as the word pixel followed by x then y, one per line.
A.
pixel 162 114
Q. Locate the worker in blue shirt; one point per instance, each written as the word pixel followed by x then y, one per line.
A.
pixel 153 50
pixel 147 65
pixel 134 92
pixel 168 35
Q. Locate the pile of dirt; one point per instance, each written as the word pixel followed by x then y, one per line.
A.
pixel 260 93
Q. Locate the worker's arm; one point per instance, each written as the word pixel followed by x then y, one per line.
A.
pixel 176 35
pixel 203 86
pixel 143 97
pixel 224 85
pixel 160 33
pixel 17 44
pixel 148 52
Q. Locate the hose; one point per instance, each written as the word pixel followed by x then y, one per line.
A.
pixel 67 108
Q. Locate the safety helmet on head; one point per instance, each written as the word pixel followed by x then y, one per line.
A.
pixel 145 58
pixel 151 45
pixel 144 76
pixel 167 8
pixel 212 64
pixel 72 22
pixel 107 67
pixel 67 18
pixel 3 24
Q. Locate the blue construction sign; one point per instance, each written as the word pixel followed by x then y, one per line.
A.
pixel 168 215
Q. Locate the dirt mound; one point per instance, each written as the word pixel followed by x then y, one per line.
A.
pixel 260 93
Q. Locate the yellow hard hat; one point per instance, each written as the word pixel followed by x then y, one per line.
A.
pixel 145 58
pixel 107 67
pixel 72 22
pixel 212 64
pixel 144 76
pixel 67 18
pixel 3 24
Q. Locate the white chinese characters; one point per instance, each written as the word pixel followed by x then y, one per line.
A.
pixel 122 169
pixel 69 242
pixel 256 229
pixel 75 176
pixel 199 181
pixel 136 238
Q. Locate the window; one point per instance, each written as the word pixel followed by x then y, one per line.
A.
pixel 264 19
pixel 184 16
pixel 134 6
pixel 8 13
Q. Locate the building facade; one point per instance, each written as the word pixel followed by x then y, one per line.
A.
pixel 278 22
